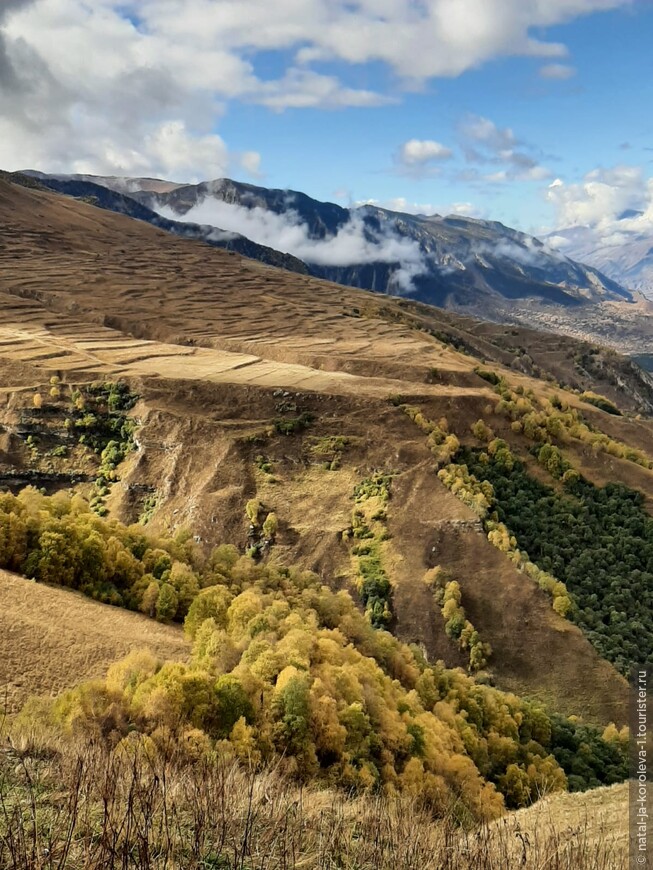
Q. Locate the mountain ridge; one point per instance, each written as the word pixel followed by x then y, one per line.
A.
pixel 118 200
pixel 450 261
pixel 624 250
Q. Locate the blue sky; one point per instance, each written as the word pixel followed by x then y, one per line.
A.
pixel 533 112
pixel 599 117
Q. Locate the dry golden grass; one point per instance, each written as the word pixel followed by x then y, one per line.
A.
pixel 599 818
pixel 248 323
pixel 207 338
pixel 82 807
pixel 52 639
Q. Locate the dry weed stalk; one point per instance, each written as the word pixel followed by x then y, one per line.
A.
pixel 83 807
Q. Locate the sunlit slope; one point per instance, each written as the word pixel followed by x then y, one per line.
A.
pixel 227 355
pixel 51 639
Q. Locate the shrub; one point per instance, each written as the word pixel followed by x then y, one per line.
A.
pixel 252 510
pixel 600 402
pixel 270 526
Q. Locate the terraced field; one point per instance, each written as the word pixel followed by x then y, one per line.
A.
pixel 228 356
pixel 213 315
pixel 58 342
pixel 89 289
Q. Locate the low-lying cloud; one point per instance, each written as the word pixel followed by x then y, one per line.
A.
pixel 359 242
pixel 530 253
pixel 355 243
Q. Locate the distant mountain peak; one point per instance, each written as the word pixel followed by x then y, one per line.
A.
pixel 622 250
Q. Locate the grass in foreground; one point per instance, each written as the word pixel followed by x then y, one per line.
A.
pixel 81 806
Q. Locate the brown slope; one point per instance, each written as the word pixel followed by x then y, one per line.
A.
pixel 51 639
pixel 133 277
pixel 219 347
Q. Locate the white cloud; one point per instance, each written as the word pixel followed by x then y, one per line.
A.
pixel 559 71
pixel 486 133
pixel 602 197
pixel 251 163
pixel 606 219
pixel 419 152
pixel 353 243
pixel 82 84
pixel 484 143
pixel 559 243
pixel 534 173
pixel 304 89
pixel 177 153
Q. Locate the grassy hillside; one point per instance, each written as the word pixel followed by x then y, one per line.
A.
pixel 247 377
pixel 395 609
pixel 50 639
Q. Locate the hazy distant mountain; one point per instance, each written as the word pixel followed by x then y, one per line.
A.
pixel 452 261
pixel 624 252
pixel 113 182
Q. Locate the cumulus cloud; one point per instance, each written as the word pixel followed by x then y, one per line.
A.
pixel 421 158
pixel 604 198
pixel 419 152
pixel 559 71
pixel 486 144
pixel 108 86
pixel 607 219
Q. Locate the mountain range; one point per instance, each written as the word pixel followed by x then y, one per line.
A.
pixel 457 262
pixel 624 250
pixel 474 267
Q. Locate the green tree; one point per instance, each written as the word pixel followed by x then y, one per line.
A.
pixel 212 603
pixel 167 603
pixel 232 704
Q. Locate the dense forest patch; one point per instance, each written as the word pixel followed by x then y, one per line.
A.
pixel 597 540
pixel 285 670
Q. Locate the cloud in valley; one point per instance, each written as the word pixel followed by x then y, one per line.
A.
pixel 353 244
pixel 356 243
